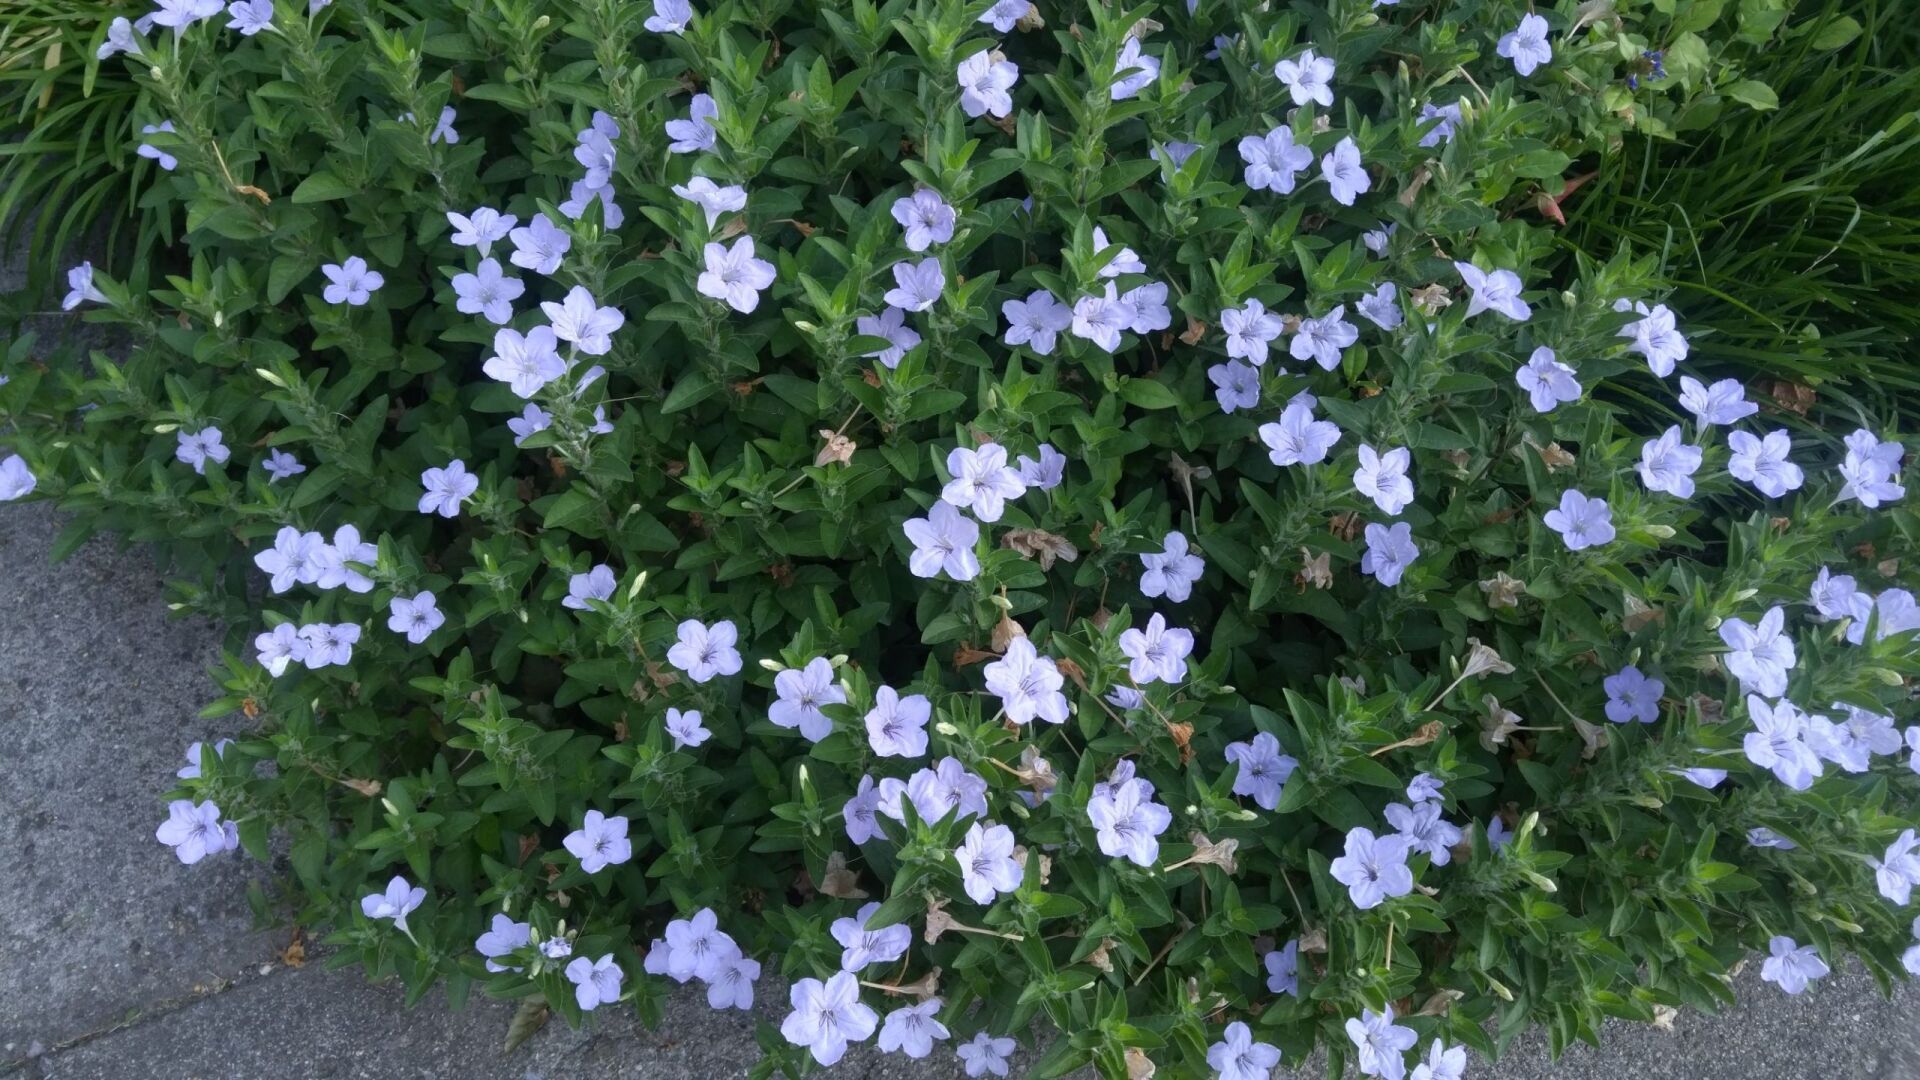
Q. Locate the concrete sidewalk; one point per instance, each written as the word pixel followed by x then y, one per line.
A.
pixel 121 963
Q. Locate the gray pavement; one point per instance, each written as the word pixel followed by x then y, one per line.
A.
pixel 120 964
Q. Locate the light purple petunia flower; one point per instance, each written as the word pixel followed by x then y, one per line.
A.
pixel 1722 403
pixel 1853 742
pixel 1035 322
pixel 1308 78
pixel 802 694
pixel 191 770
pixel 731 987
pixel 481 228
pixel 119 39
pixel 735 276
pixel 1791 966
pixel 1027 684
pixel 1654 336
pixel 338 559
pixel 1157 653
pixel 859 812
pixel 1390 550
pixel 596 584
pixel 1250 329
pixel 1373 868
pixel 697 947
pixel 1778 742
pixel 1127 822
pixel 294 558
pixel 530 422
pixel 417 617
pixel 861 947
pixel 890 324
pixel 917 285
pixel 329 644
pixel 1763 837
pixel 196 448
pixel 1668 463
pixel 926 217
pixel 704 651
pixel 350 282
pixel 1133 71
pixel 685 728
pixel 936 792
pixel 1264 770
pixel 943 541
pixel 595 982
pixel 1322 339
pixel 1871 470
pixel 1632 695
pixel 1005 13
pixel 195 831
pixel 279 647
pixel 1381 1044
pixel 80 288
pixel 502 937
pixel 827 1016
pixel 985 1055
pixel 669 17
pixel 443 129
pixel 1237 1057
pixel 580 321
pixel 1497 290
pixel 1236 385
pixel 1376 240
pixel 1526 45
pixel 896 725
pixel 1101 319
pixel 1442 132
pixel 539 245
pixel 1381 307
pixel 487 292
pixel 400 899
pixel 281 465
pixel 982 481
pixel 1424 787
pixel 1344 173
pixel 1383 478
pixel 446 489
pixel 1147 308
pixel 695 133
pixel 1547 381
pixel 712 199
pixel 1442 1063
pixel 985 79
pixel 1046 472
pixel 1274 160
pixel 913 1029
pixel 1581 521
pixel 1893 612
pixel 1759 655
pixel 153 153
pixel 1763 462
pixel 1283 969
pixel 1172 571
pixel 1298 438
pixel 1424 829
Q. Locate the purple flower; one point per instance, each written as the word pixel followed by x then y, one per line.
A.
pixel 1377 240
pixel 583 323
pixel 1274 161
pixel 400 900
pixel 1045 473
pixel 1581 521
pixel 1778 742
pixel 595 982
pixel 938 791
pixel 596 584
pixel 1424 787
pixel 1897 871
pixel 802 694
pixel 1381 307
pixel 1133 71
pixel 1871 470
pixel 417 618
pixel 443 130
pixel 1722 403
pixel 153 153
pixel 1390 550
pixel 328 644
pixel 350 282
pixel 1264 770
pixel 596 153
pixel 487 292
pixel 1005 13
pixel 530 422
pixel 711 198
pixel 985 1054
pixel 731 987
pixel 1893 612
pixel 1382 1044
pixel 913 1029
pixel 686 728
pixel 1373 869
pixel 199 447
pixel 697 947
pixel 119 39
pixel 1763 462
pixel 671 17
pixel 446 489
pixel 279 647
pixel 1547 381
pixel 1654 336
pixel 338 559
pixel 1763 837
pixel 918 285
pixel 1283 969
pixel 1127 822
pixel 195 831
pixel 526 363
pixel 1632 696
pixel 897 726
pixel 80 288
pixel 191 770
pixel 481 228
pixel 1100 319
pixel 1706 778
pixel 1147 308
pixel 695 133
pixel 1250 329
pixel 982 481
pixel 1424 829
pixel 583 194
pixel 943 541
pixel 1172 571
pixel 1035 322
pixel 704 651
pixel 827 1016
pixel 1307 78
pixel 984 79
pixel 1237 1057
pixel 1759 655
pixel 280 465
pixel 1498 835
pixel 1498 290
pixel 1322 339
pixel 1442 1063
pixel 1448 115
pixel 1791 966
pixel 1668 464
pixel 1235 385
pixel 1299 439
pixel 859 810
pixel 1027 684
pixel 1158 653
pixel 539 246
pixel 1343 172
pixel 1175 152
pixel 557 948
pixel 295 558
pixel 733 275
pixel 861 947
pixel 503 936
pixel 891 325
pixel 1383 478
pixel 1526 45
pixel 927 218
pixel 1853 742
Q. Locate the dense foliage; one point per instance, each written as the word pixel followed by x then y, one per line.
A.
pixel 1130 517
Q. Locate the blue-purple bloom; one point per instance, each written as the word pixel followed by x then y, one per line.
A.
pixel 704 651
pixel 1035 322
pixel 1633 695
pixel 1791 966
pixel 801 696
pixel 1383 478
pixel 861 947
pixel 1236 385
pixel 1759 655
pixel 1526 45
pixel 196 448
pixel 595 982
pixel 1344 173
pixel 827 1016
pixel 734 275
pixel 1581 521
pixel 1283 969
pixel 153 153
pixel 1496 290
pixel 503 936
pixel 599 842
pixel 1390 550
pixel 890 324
pixel 1763 462
pixel 1373 869
pixel 1264 769
pixel 695 133
pixel 1275 160
pixel 400 899
pixel 487 292
pixel 195 831
pixel 1382 1044
pixel 445 489
pixel 417 617
pixel 1172 571
pixel 1157 653
pixel 539 245
pixel 351 282
pixel 1547 381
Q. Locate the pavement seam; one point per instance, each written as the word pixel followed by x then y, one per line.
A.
pixel 30 1065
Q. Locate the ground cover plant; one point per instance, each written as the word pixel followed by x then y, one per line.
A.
pixel 1019 519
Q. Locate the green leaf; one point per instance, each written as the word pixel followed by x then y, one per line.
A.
pixel 1754 93
pixel 322 187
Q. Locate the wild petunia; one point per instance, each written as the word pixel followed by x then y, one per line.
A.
pixel 1381 307
pixel 1390 550
pixel 1322 339
pixel 195 831
pixel 120 38
pixel 685 728
pixel 294 558
pixel 1778 742
pixel 1497 290
pixel 1264 770
pixel 800 698
pixel 827 1016
pixel 1035 322
pixel 1127 822
pixel 1250 329
pixel 985 1054
pixel 1027 684
pixel 1759 655
pixel 891 325
pixel 1893 612
pixel 1763 462
pixel 1526 45
pixel 1381 1044
pixel 1791 966
pixel 1871 470
pixel 1852 743
pixel 581 322
pixel 669 17
pixel 1344 173
pixel 943 541
pixel 1424 829
pixel 712 199
pixel 540 245
pixel 987 865
pixel 443 129
pixel 279 465
pixel 401 899
pixel 1283 969
pixel 1763 837
pixel 913 1029
pixel 861 947
pixel 734 275
pixel 196 448
pixel 1442 132
pixel 1442 1063
pixel 1046 472
pixel 1632 695
pixel 350 282
pixel 1668 464
pixel 417 616
pixel 1101 319
pixel 329 644
pixel 1236 386
pixel 530 422
pixel 985 79
pixel 1581 521
pixel 487 292
pixel 697 947
pixel 1377 240
pixel 1237 1057
pixel 596 584
pixel 80 288
pixel 481 228
pixel 897 726
pixel 858 812
pixel 279 647
pixel 1133 71
pixel 1005 13
pixel 704 651
pixel 502 937
pixel 153 153
pixel 1722 403
pixel 1654 336
pixel 191 770
pixel 1373 868
pixel 600 842
pixel 1424 787
pixel 917 286
pixel 1547 381
pixel 446 489
pixel 1157 653
pixel 595 982
pixel 939 791
pixel 1308 78
pixel 982 481
pixel 731 987
pixel 1274 160
pixel 1172 571
pixel 1383 478
pixel 1147 308
pixel 696 132
pixel 1897 870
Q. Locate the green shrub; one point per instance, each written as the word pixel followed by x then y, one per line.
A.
pixel 1312 713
